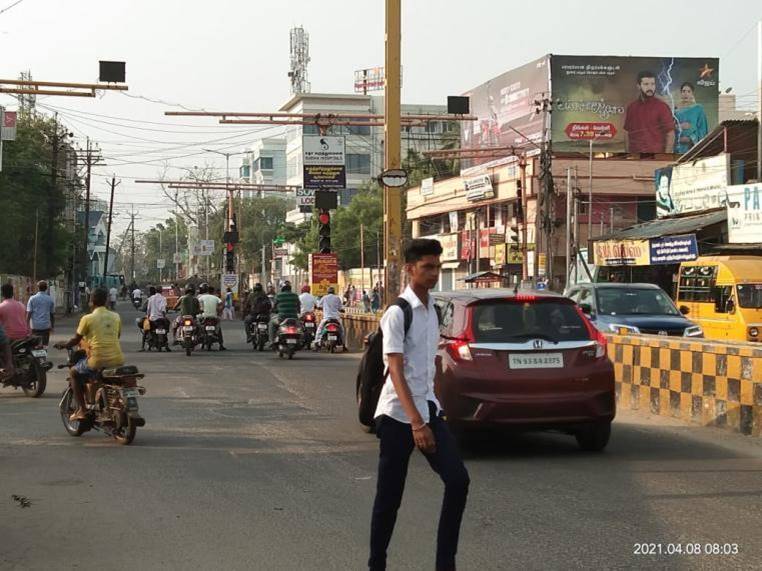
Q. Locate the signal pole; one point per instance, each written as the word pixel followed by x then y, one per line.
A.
pixel 132 245
pixel 108 231
pixel 392 151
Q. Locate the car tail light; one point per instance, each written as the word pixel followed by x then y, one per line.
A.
pixel 459 349
pixel 601 343
pixel 524 297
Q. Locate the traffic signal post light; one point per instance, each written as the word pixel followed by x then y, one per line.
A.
pixel 229 259
pixel 324 231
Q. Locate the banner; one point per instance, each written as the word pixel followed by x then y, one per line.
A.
pixel 745 214
pixel 633 104
pixel 427 186
pixel 692 187
pixel 499 255
pixel 503 103
pixel 203 248
pixel 8 126
pixel 621 253
pixel 324 162
pixel 479 187
pixel 673 249
pixel 450 250
pixel 324 273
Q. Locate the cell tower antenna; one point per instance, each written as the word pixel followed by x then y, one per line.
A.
pixel 300 57
pixel 27 101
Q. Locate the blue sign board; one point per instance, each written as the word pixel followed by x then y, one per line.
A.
pixel 673 249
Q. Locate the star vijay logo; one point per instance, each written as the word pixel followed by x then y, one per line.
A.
pixel 706 76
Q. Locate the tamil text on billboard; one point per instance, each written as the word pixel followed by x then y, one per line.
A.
pixel 324 162
pixel 633 104
pixel 324 273
pixel 504 105
pixel 692 187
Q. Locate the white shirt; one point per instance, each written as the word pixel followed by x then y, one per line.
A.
pixel 156 307
pixel 308 301
pixel 137 293
pixel 113 293
pixel 331 304
pixel 209 304
pixel 419 349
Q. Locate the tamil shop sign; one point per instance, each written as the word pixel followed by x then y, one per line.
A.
pixel 656 251
pixel 324 162
pixel 692 187
pixel 450 250
pixel 479 187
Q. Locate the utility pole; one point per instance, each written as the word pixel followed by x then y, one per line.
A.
pixel 132 246
pixel 569 194
pixel 160 269
pixel 34 258
pixel 546 192
pixel 51 198
pixel 177 243
pixel 108 231
pixel 759 101
pixel 90 160
pixel 392 151
pixel 362 256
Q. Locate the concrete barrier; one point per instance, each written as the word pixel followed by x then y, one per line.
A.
pixel 712 383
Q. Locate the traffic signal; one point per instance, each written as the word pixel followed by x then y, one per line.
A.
pixel 518 209
pixel 324 231
pixel 229 259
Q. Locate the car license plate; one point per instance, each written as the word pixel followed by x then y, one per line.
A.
pixel 535 361
pixel 332 338
pixel 210 328
pixel 262 326
pixel 291 341
pixel 309 324
pixel 39 353
pixel 130 393
pixel 161 332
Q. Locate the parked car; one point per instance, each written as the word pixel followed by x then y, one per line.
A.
pixel 632 308
pixel 526 361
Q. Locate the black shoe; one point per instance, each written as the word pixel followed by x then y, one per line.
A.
pixel 248 339
pixel 223 348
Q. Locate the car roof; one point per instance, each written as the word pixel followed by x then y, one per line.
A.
pixel 622 285
pixel 476 294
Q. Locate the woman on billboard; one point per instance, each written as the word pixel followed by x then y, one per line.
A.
pixel 692 125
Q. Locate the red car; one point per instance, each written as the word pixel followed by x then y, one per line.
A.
pixel 523 360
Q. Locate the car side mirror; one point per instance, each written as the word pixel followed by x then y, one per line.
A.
pixel 586 308
pixel 730 306
pixel 685 310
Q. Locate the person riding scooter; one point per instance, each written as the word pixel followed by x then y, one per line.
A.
pixel 331 305
pixel 257 304
pixel 286 307
pixel 211 306
pixel 186 305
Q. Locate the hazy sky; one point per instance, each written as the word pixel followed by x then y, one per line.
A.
pixel 233 55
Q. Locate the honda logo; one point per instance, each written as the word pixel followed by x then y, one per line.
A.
pixel 537 343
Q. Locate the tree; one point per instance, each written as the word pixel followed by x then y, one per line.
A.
pixel 367 210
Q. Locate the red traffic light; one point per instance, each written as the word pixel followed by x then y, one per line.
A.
pixel 324 218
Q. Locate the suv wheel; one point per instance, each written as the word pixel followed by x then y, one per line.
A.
pixel 594 437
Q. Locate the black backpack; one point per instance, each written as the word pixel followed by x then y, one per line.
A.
pixel 371 375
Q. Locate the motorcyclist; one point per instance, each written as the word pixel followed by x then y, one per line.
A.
pixel 307 300
pixel 156 309
pixel 286 307
pixel 101 330
pixel 211 306
pixel 257 303
pixel 186 305
pixel 137 294
pixel 331 305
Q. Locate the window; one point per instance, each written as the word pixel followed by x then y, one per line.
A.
pixel 311 130
pixel 265 163
pixel 696 283
pixel 292 168
pixel 358 164
pixel 245 171
pixel 634 301
pixel 750 295
pixel 515 322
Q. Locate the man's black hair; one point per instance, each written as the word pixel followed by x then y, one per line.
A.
pixel 42 285
pixel 189 290
pixel 420 247
pixel 99 296
pixel 645 73
pixel 286 287
pixel 7 290
pixel 152 290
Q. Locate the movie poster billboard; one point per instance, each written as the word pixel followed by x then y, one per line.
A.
pixel 504 102
pixel 632 104
pixel 694 186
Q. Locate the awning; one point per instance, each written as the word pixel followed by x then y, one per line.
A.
pixel 450 265
pixel 483 277
pixel 669 226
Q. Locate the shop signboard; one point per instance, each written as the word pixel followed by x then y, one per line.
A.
pixel 305 197
pixel 8 125
pixel 692 187
pixel 454 221
pixel 479 187
pixel 466 245
pixel 672 249
pixel 427 186
pixel 450 250
pixel 500 254
pixel 600 98
pixel 745 214
pixel 621 253
pixel 324 273
pixel 324 162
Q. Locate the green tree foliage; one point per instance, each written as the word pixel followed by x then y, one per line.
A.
pixel 26 193
pixel 152 252
pixel 366 209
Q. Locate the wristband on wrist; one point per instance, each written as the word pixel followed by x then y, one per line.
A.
pixel 419 427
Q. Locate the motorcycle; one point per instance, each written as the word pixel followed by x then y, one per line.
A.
pixel 308 325
pixel 209 334
pixel 258 332
pixel 190 336
pixel 330 337
pixel 288 338
pixel 31 362
pixel 111 400
pixel 158 337
pixel 137 302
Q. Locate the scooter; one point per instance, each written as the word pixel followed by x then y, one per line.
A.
pixel 209 334
pixel 258 332
pixel 330 337
pixel 158 335
pixel 190 336
pixel 288 338
pixel 308 325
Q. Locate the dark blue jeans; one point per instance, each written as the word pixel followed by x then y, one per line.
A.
pixel 396 446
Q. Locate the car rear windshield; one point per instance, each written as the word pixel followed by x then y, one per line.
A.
pixel 508 321
pixel 634 301
pixel 750 295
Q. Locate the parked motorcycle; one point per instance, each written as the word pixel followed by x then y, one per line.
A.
pixel 31 362
pixel 190 335
pixel 258 332
pixel 308 327
pixel 288 338
pixel 330 337
pixel 209 335
pixel 111 400
pixel 158 336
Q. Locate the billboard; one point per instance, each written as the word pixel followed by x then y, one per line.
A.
pixel 745 214
pixel 633 104
pixel 324 273
pixel 324 162
pixel 504 102
pixel 692 187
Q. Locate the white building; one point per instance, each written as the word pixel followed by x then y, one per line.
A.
pixel 265 163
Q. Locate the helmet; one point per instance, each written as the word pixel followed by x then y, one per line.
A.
pixel 203 288
pixel 257 287
pixel 189 290
pixel 305 289
pixel 331 290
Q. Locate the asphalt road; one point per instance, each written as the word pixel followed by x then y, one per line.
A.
pixel 252 462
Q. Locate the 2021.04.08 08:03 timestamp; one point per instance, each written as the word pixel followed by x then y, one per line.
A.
pixel 685 549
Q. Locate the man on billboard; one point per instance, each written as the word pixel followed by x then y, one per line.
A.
pixel 649 124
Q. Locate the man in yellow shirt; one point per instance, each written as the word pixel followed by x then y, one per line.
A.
pixel 100 329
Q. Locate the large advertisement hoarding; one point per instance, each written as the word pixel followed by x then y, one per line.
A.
pixel 745 214
pixel 632 104
pixel 692 187
pixel 504 102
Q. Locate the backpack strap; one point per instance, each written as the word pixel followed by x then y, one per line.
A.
pixel 407 312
